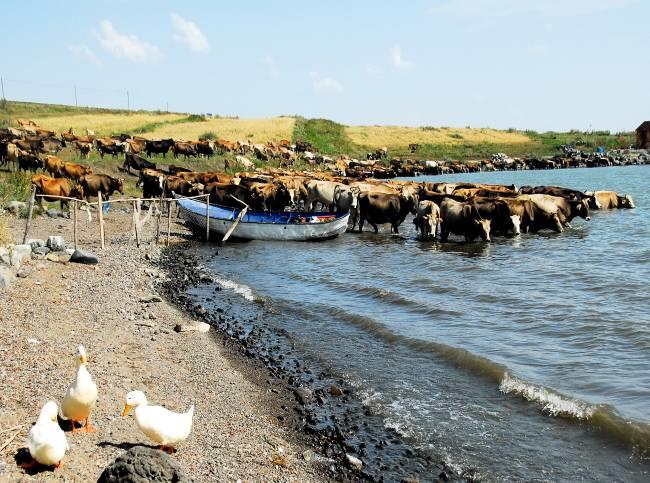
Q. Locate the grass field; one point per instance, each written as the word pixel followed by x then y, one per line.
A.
pixel 258 130
pixel 400 137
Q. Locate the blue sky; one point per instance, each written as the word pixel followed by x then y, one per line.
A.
pixel 545 65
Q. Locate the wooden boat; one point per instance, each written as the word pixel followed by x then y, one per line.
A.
pixel 262 225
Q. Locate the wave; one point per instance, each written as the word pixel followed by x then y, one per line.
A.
pixel 241 289
pixel 633 434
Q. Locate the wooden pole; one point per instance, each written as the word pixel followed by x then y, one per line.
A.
pixel 100 217
pixel 169 220
pixel 207 218
pixel 30 212
pixel 135 223
pixel 158 219
pixel 74 221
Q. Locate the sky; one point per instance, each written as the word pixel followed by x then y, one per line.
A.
pixel 543 64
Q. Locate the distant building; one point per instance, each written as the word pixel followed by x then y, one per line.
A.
pixel 643 135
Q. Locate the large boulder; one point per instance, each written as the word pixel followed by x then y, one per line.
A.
pixel 7 276
pixel 20 254
pixel 15 207
pixel 82 256
pixel 5 256
pixel 35 243
pixel 55 243
pixel 142 465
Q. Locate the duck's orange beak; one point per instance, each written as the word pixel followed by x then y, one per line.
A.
pixel 127 408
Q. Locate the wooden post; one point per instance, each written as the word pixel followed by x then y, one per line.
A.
pixel 100 217
pixel 30 212
pixel 169 220
pixel 135 222
pixel 74 221
pixel 234 225
pixel 158 219
pixel 207 218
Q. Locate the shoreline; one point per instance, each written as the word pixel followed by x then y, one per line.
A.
pixel 329 412
pixel 111 308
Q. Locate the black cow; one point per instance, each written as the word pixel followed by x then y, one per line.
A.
pixel 158 147
pixel 136 162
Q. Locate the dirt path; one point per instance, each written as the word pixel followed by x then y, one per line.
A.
pixel 131 345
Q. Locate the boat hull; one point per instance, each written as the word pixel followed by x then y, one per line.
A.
pixel 258 225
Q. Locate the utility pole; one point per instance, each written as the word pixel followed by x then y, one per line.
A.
pixel 128 102
pixel 2 83
pixel 75 97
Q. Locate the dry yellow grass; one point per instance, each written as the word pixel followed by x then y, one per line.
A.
pixel 394 136
pixel 259 130
pixel 103 123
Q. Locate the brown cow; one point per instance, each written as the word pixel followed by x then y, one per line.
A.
pixel 463 219
pixel 532 217
pixel 269 196
pixel 54 166
pixel 92 184
pixel 56 187
pixel 380 208
pixel 76 171
pixel 608 200
pixel 25 122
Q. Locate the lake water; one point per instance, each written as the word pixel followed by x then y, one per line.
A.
pixel 526 358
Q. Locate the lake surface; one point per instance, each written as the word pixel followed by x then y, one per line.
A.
pixel 526 358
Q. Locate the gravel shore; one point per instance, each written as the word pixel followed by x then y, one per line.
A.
pixel 132 344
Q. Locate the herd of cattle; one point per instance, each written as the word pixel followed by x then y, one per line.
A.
pixel 470 210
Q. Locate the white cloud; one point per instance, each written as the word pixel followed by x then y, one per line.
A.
pixel 545 8
pixel 325 83
pixel 84 52
pixel 125 46
pixel 397 59
pixel 186 32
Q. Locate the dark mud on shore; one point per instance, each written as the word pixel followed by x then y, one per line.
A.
pixel 311 400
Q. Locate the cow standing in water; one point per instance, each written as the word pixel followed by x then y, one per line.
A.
pixel 380 208
pixel 463 219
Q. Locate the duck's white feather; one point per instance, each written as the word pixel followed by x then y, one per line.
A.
pixel 46 441
pixel 80 398
pixel 163 426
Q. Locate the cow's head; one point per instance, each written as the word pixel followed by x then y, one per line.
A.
pixel 117 184
pixel 77 192
pixel 592 200
pixel 515 220
pixel 625 201
pixel 483 225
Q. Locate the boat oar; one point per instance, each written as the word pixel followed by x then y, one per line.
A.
pixel 237 220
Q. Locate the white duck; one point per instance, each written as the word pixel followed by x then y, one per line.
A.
pixel 159 424
pixel 46 440
pixel 80 398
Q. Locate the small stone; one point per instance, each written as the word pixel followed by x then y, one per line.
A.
pixel 42 250
pixel 24 272
pixel 335 390
pixel 70 251
pixel 354 461
pixel 53 213
pixel 308 455
pixel 35 243
pixel 57 257
pixel 84 257
pixel 152 316
pixel 149 300
pixel 33 341
pixel 55 243
pixel 201 327
pixel 303 394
